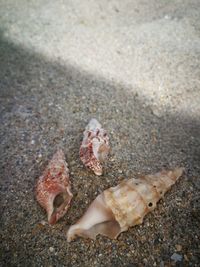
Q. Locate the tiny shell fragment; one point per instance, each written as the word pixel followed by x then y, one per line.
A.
pixel 95 147
pixel 53 188
pixel 123 206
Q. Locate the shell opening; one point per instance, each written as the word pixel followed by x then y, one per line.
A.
pixel 110 229
pixel 60 203
pixel 103 152
pixel 58 200
pixel 97 220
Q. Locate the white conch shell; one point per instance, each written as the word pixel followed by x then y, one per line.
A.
pixel 123 206
pixel 95 146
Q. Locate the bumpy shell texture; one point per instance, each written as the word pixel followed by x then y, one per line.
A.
pixel 53 188
pixel 123 206
pixel 95 147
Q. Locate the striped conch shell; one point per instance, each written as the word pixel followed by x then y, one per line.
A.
pixel 123 206
pixel 53 188
pixel 95 146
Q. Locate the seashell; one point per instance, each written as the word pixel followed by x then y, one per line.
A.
pixel 123 206
pixel 95 146
pixel 53 188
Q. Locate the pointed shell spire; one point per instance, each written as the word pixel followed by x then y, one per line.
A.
pixel 123 206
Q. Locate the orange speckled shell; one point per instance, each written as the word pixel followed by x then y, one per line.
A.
pixel 53 181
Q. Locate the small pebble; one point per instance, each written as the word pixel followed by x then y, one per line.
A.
pixel 43 222
pixel 176 257
pixel 156 112
pixel 145 260
pixel 167 17
pixel 51 249
pixel 185 257
pixel 178 247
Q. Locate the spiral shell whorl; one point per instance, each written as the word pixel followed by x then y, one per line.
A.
pixel 131 200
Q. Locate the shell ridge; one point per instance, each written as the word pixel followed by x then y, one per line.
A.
pixel 153 187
